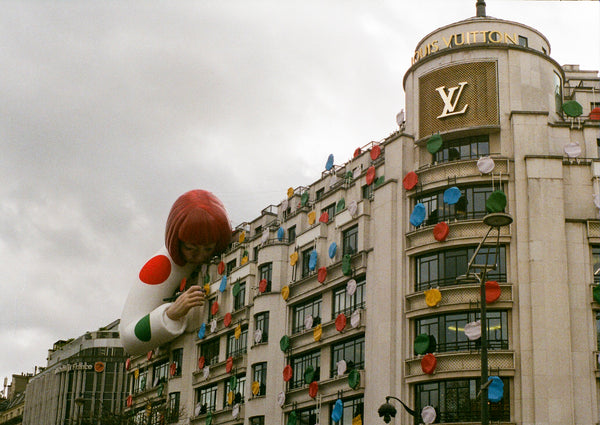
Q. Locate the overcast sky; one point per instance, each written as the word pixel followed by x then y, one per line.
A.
pixel 110 110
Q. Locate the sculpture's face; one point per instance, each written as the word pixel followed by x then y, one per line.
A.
pixel 196 254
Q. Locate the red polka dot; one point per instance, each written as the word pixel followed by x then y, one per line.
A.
pixel 156 270
pixel 370 174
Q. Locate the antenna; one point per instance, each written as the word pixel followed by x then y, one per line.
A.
pixel 480 8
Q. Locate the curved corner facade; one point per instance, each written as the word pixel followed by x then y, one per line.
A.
pixel 317 312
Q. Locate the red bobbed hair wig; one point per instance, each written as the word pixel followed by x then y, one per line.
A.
pixel 197 217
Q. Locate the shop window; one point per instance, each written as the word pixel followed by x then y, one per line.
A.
pixel 350 240
pixel 472 147
pixel 300 363
pixel 210 351
pixel 160 372
pixel 238 391
pixel 523 41
pixel 345 303
pixel 261 321
pixel 305 261
pixel 457 401
pixel 173 407
pixel 449 330
pixel 266 273
pixel 237 347
pixel 352 351
pixel 259 374
pixel 352 409
pixel 311 307
pixel 441 268
pixel 206 399
pixel 240 299
pixel 177 359
pixel 230 266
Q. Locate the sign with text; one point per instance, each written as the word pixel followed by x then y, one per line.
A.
pixel 458 96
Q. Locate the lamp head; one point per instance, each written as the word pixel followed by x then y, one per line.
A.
pixel 387 411
pixel 497 219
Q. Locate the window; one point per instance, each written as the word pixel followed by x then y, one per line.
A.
pixel 206 398
pixel 352 351
pixel 177 356
pixel 299 364
pixel 307 416
pixel 320 193
pixel 261 321
pixel 211 301
pixel 557 93
pixel 311 307
pixel 352 408
pixel 470 205
pixel 292 234
pixel 472 147
pixel 173 407
pixel 330 210
pixel 230 266
pixel 160 372
pixel 258 230
pixel 596 263
pixel 255 253
pixel 457 401
pixel 344 303
pixel 266 272
pixel 238 391
pixel 257 420
pixel 441 268
pixel 350 240
pixel 367 191
pixel 523 41
pixel 141 381
pixel 210 351
pixel 240 299
pixel 237 347
pixel 259 374
pixel 305 261
pixel 598 330
pixel 449 330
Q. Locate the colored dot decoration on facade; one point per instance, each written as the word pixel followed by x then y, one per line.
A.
pixel 262 286
pixel 492 291
pixel 227 320
pixel 221 267
pixel 375 152
pixel 370 175
pixel 322 274
pixel 441 231
pixel 156 270
pixel 428 364
pixel 410 180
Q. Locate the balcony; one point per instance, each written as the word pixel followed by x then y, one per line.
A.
pixel 463 297
pixel 461 364
pixel 438 174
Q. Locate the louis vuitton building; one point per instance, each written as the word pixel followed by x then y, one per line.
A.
pixel 352 288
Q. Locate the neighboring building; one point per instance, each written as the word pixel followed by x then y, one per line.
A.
pixel 84 380
pixel 11 408
pixel 489 88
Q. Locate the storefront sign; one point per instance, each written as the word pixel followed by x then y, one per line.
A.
pixel 74 366
pixel 462 39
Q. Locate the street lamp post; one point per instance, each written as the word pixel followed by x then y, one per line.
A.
pixel 478 273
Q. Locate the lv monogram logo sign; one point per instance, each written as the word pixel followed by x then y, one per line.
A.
pixel 449 103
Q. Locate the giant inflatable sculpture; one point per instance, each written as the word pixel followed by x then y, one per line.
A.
pixel 197 229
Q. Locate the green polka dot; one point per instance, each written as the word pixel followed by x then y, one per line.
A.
pixel 142 329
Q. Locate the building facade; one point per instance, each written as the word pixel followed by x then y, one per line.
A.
pixel 348 291
pixel 83 382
